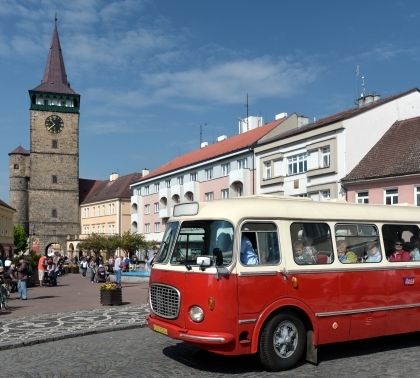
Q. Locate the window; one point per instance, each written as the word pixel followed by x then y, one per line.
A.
pixel 147 209
pixel 46 102
pixel 225 169
pixel 325 153
pixel 167 183
pixel 54 144
pixel 357 243
pixel 311 243
pixel 111 229
pixel 147 228
pixel 112 208
pixel 87 212
pixel 267 170
pixel 259 244
pixel 391 196
pixel 193 176
pixel 103 229
pixel 109 209
pixel 362 197
pixel 418 196
pixel 180 180
pixel 146 190
pixel 325 194
pixel 103 209
pixel 93 211
pixel 209 174
pixel 406 237
pixel 63 103
pixel 225 193
pixel 240 190
pixel 304 195
pixel 156 207
pixel 242 163
pixel 209 196
pixel 157 187
pixel 157 227
pixel 86 230
pixel 54 179
pixel 16 166
pixel 297 164
pixel 54 213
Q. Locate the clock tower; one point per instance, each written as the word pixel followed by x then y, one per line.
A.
pixel 53 187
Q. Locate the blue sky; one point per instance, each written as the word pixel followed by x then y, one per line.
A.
pixel 151 72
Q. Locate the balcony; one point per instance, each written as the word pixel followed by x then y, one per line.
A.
pixel 163 213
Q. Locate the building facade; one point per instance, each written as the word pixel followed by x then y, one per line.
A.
pixel 6 230
pixel 310 159
pixel 389 173
pixel 44 183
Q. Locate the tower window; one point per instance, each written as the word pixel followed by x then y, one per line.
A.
pixel 54 213
pixel 16 166
pixel 46 102
pixel 54 144
pixel 63 103
pixel 54 179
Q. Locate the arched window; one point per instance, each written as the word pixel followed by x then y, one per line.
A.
pixel 54 213
pixel 54 179
pixel 54 144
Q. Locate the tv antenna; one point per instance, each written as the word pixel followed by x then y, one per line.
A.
pixel 201 132
pixel 247 108
pixel 357 81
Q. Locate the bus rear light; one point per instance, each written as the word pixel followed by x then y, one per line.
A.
pixel 211 303
pixel 196 314
pixel 294 282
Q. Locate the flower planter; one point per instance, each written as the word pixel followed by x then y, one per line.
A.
pixel 111 297
pixel 75 270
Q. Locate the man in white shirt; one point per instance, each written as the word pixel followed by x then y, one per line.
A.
pixel 117 270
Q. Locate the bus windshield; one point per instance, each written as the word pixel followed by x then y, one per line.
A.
pixel 167 241
pixel 200 238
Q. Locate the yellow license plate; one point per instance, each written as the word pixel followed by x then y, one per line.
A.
pixel 160 329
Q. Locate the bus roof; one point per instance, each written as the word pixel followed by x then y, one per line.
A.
pixel 272 207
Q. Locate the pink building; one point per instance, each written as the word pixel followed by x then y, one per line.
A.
pixel 390 172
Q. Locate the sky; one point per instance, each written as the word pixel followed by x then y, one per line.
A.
pixel 152 73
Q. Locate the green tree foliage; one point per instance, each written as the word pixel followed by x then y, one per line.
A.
pixel 94 243
pixel 20 238
pixel 132 242
pixel 113 242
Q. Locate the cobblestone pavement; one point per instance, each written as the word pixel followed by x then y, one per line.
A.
pixel 143 353
pixel 33 329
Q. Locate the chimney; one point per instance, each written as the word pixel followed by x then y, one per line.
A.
pixel 113 176
pixel 204 144
pixel 368 99
pixel 302 121
pixel 144 172
pixel 221 137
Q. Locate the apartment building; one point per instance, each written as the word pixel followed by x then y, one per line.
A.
pixel 6 230
pixel 310 159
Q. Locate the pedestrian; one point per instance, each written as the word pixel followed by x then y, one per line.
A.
pixel 117 270
pixel 76 260
pixel 22 275
pixel 127 263
pixel 7 263
pixel 52 270
pixel 134 262
pixel 41 269
pixel 84 266
pixel 93 268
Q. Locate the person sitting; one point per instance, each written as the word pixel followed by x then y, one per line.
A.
pixel 248 254
pixel 399 254
pixel 415 253
pixel 309 249
pixel 373 252
pixel 344 256
pixel 11 277
pixel 301 257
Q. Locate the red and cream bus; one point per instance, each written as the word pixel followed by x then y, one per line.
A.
pixel 282 303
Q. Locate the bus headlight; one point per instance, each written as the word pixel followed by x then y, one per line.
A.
pixel 196 314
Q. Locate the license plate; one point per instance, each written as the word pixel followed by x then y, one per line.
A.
pixel 160 329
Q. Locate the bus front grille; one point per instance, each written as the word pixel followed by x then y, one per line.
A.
pixel 165 301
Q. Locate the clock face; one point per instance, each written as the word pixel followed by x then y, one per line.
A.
pixel 54 124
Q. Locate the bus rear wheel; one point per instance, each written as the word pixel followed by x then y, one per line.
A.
pixel 282 342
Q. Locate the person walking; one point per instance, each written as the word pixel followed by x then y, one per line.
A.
pixel 84 266
pixel 22 275
pixel 93 268
pixel 127 263
pixel 41 270
pixel 117 270
pixel 134 262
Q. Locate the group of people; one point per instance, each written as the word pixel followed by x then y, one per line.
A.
pixel 16 276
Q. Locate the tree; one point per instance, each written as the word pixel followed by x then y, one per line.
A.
pixel 20 238
pixel 95 243
pixel 132 242
pixel 113 242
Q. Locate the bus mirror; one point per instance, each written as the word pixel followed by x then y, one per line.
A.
pixel 218 256
pixel 204 261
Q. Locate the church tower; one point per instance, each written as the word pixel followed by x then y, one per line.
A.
pixel 53 191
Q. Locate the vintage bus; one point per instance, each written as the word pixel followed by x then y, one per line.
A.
pixel 281 305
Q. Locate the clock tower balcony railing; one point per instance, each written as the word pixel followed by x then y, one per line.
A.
pixel 55 108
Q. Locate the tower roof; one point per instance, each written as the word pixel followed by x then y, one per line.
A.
pixel 55 77
pixel 19 151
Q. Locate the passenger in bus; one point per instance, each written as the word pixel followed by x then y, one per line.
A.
pixel 309 249
pixel 224 242
pixel 415 253
pixel 301 258
pixel 248 254
pixel 373 253
pixel 344 256
pixel 399 254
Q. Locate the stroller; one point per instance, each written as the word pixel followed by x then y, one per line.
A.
pixel 101 275
pixel 4 295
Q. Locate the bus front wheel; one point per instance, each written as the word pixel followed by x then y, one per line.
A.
pixel 282 342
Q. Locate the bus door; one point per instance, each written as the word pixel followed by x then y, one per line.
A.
pixel 259 277
pixel 403 280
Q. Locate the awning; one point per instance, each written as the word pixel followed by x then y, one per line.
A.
pixel 4 247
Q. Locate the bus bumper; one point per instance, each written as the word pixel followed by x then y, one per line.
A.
pixel 196 337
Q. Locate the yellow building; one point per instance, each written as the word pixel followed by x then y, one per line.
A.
pixel 6 230
pixel 104 209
